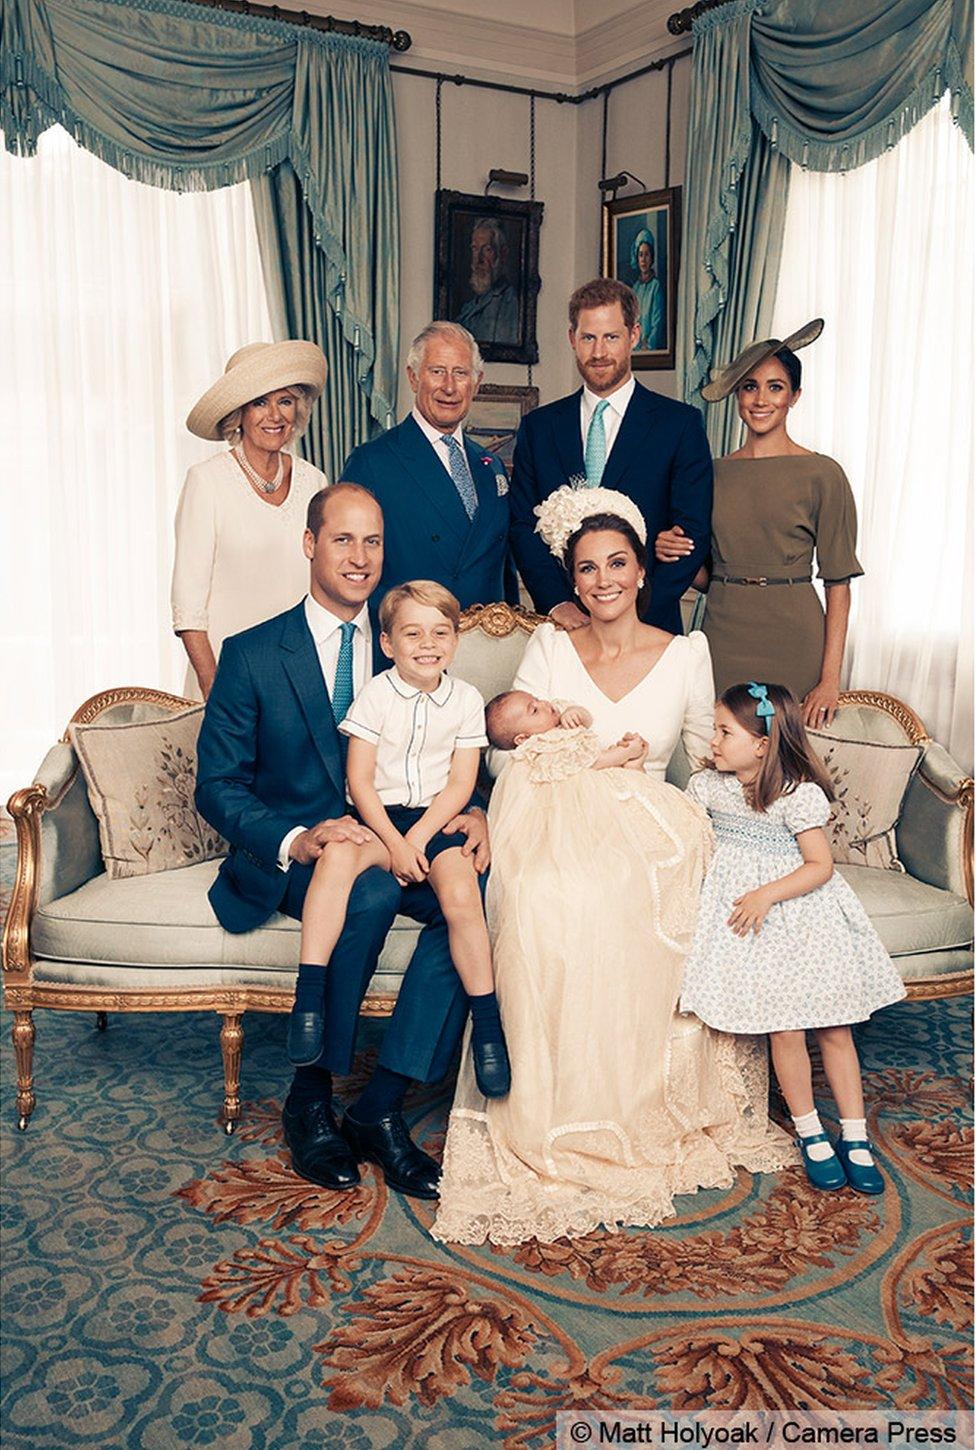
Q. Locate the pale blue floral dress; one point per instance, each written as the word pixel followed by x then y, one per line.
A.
pixel 816 961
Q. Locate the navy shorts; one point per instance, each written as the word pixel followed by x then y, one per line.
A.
pixel 403 817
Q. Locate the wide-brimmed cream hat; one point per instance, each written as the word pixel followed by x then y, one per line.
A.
pixel 726 380
pixel 259 368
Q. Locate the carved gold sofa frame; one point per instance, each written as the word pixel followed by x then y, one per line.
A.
pixel 59 867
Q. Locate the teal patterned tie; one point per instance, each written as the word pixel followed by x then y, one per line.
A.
pixel 342 691
pixel 596 446
pixel 461 474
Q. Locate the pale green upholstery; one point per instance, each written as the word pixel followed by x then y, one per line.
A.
pixel 159 931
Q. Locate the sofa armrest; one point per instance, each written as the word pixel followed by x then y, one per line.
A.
pixel 57 850
pixel 935 832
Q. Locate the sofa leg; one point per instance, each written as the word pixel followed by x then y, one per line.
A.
pixel 101 1021
pixel 231 1043
pixel 23 1035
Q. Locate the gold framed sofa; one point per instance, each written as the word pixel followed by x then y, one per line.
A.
pixel 80 938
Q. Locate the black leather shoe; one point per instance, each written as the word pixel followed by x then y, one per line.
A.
pixel 406 1167
pixel 319 1152
pixel 492 1070
pixel 305 1033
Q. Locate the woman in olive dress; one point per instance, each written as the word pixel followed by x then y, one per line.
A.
pixel 776 503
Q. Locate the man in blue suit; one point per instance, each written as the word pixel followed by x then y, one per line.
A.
pixel 616 434
pixel 444 499
pixel 271 778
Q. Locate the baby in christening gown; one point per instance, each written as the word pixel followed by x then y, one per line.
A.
pixel 617 1104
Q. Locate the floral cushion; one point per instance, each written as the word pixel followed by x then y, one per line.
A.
pixel 140 780
pixel 870 780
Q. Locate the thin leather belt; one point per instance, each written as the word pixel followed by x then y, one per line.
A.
pixel 761 579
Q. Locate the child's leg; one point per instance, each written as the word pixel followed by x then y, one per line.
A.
pixel 327 898
pixel 791 1062
pixel 843 1070
pixel 455 884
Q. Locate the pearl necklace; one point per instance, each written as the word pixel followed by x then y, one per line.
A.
pixel 266 485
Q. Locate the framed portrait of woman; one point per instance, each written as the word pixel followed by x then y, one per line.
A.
pixel 641 246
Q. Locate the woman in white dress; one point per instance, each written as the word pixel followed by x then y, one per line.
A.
pixel 617 1102
pixel 241 514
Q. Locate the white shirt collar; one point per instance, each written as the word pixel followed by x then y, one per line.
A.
pixel 432 434
pixel 618 400
pixel 322 622
pixel 407 691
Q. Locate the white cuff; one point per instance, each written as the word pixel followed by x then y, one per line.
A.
pixel 284 860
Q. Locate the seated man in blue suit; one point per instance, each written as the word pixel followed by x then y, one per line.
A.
pixel 271 778
pixel 444 499
pixel 616 434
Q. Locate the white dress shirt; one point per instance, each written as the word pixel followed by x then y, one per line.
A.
pixel 435 437
pixel 325 630
pixel 416 733
pixel 612 416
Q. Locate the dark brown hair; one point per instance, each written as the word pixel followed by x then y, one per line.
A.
pixel 315 512
pixel 598 523
pixel 604 292
pixel 790 759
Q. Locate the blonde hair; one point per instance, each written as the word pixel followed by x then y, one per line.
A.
pixel 230 429
pixel 421 591
pixel 790 758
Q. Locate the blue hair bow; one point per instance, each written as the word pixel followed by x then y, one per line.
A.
pixel 764 710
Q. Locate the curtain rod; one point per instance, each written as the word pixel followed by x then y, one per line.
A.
pixel 563 98
pixel 399 40
pixel 681 21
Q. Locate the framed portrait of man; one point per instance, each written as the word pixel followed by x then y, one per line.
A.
pixel 486 271
pixel 641 246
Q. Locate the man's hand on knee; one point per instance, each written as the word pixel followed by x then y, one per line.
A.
pixel 473 825
pixel 309 846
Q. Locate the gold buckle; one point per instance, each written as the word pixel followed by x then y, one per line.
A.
pixel 762 581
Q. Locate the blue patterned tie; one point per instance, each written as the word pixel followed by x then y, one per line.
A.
pixel 461 474
pixel 342 691
pixel 596 446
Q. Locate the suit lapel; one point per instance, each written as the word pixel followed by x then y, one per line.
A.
pixel 568 437
pixel 632 440
pixel 301 663
pixel 419 459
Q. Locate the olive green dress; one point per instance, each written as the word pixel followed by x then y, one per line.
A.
pixel 768 517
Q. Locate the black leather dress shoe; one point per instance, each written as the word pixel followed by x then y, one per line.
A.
pixel 406 1168
pixel 305 1033
pixel 492 1070
pixel 319 1152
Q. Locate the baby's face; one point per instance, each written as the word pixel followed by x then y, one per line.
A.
pixel 529 716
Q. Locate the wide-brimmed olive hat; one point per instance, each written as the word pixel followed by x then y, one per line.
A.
pixel 261 367
pixel 726 380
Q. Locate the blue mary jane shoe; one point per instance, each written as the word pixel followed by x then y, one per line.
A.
pixel 824 1173
pixel 863 1178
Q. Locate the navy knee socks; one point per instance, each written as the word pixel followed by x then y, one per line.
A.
pixel 486 1022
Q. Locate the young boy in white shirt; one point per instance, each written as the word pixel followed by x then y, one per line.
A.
pixel 415 738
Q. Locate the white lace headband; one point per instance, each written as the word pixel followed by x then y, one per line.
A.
pixel 563 512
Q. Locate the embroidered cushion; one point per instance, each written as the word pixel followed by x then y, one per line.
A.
pixel 140 778
pixel 870 781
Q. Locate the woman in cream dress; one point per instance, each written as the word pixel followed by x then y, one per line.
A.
pixel 241 514
pixel 617 1103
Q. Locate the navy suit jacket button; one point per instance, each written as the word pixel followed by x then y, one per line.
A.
pixel 435 538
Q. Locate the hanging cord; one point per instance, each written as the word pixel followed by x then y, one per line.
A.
pixel 667 130
pixel 437 113
pixel 531 186
pixel 603 144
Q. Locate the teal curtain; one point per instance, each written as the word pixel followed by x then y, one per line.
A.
pixel 776 82
pixel 192 99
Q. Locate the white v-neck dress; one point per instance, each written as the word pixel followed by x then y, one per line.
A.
pixel 618 1104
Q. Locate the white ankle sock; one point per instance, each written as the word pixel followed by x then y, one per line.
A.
pixel 855 1130
pixel 808 1125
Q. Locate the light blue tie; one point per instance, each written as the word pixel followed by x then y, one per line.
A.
pixel 461 474
pixel 596 446
pixel 342 691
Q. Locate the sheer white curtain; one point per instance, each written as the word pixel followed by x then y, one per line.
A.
pixel 119 304
pixel 885 255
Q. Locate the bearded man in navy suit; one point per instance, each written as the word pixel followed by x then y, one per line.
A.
pixel 616 434
pixel 445 500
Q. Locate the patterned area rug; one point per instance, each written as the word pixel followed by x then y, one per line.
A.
pixel 168 1286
